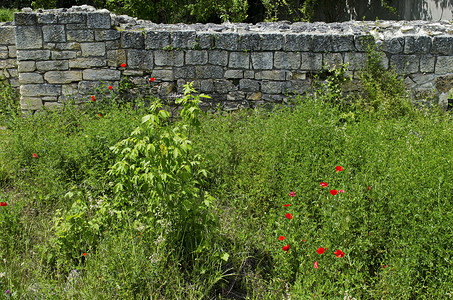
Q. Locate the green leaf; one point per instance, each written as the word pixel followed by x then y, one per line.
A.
pixel 225 256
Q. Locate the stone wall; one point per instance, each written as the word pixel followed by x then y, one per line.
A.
pixel 8 65
pixel 67 52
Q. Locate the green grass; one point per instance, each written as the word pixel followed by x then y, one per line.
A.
pixel 393 222
pixel 7 14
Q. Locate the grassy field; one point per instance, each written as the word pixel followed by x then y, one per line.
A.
pixel 318 199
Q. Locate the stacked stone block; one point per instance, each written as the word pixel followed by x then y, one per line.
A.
pixel 66 53
pixel 8 64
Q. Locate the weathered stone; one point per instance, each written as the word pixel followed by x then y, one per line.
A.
pixel 262 60
pixel 185 72
pixel 98 20
pixel 21 18
pixel 236 96
pixel 63 77
pixel 218 57
pixel 80 35
pixel 271 42
pixel 444 84
pixel 363 42
pixel 239 60
pixel 223 86
pixel 132 39
pixel 230 74
pixel 29 78
pixel 26 66
pixel 7 35
pixel 405 64
pixel 311 61
pixel 87 62
pixel 47 18
pixel 249 74
pixel 443 45
pixel 427 63
pixel 254 96
pixel 106 35
pixel 207 86
pixel 112 45
pixel 287 60
pixel 394 45
pixel 204 40
pixel 296 75
pixel 28 37
pixel 63 54
pixel 196 57
pixel 101 74
pixel 52 65
pixel 129 72
pixel 249 42
pixel 355 61
pixel 8 63
pixel 227 41
pixel 182 39
pixel 444 65
pixel 93 49
pixel 343 43
pixel 169 58
pixel 332 60
pixel 30 103
pixel 139 59
pixel 417 44
pixel 297 87
pixel 208 72
pixel 298 42
pixel 271 75
pixel 248 85
pixel 39 90
pixel 157 40
pixel 163 74
pixel 3 52
pixel 33 54
pixel 12 51
pixel 116 57
pixel 271 87
pixel 72 18
pixel 68 46
pixel 321 43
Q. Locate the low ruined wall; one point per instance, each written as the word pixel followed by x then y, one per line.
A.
pixel 67 52
pixel 8 65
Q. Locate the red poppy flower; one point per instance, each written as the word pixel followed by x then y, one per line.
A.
pixel 385 266
pixel 281 238
pixel 84 254
pixel 35 155
pixel 341 191
pixel 289 216
pixel 152 79
pixel 323 184
pixel 3 204
pixel 369 187
pixel 99 115
pixel 286 205
pixel 333 192
pixel 339 168
pixel 303 240
pixel 339 253
pixel 123 65
pixel 286 248
pixel 320 250
pixel 316 264
pixel 110 87
pixel 292 194
pixel 93 98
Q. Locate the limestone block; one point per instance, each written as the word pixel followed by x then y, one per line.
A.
pixel 87 62
pixel 248 85
pixel 296 75
pixel 162 74
pixel 4 52
pixel 343 43
pixel 356 61
pixel 47 18
pixel 185 72
pixel 132 39
pixel 230 74
pixel 26 66
pixel 28 37
pixel 33 54
pixel 8 63
pixel 52 105
pixel 205 40
pixel 40 90
pixel 7 35
pixel 63 77
pixel 223 86
pixel 332 60
pixel 427 63
pixel 207 86
pixel 218 57
pixel 25 18
pixel 271 87
pixel 80 35
pixel 239 60
pixel 72 18
pixel 271 41
pixel 128 72
pixel 169 58
pixel 183 39
pixel 63 54
pixel 54 33
pixel 157 40
pixel 110 45
pixel 196 57
pixel 297 42
pixel 93 49
pixel 249 74
pixel 394 45
pixel 363 42
pixel 287 60
pixel 297 87
pixel 443 45
pixel 12 51
pixel 52 65
pixel 29 78
pixel 311 61
pixel 444 83
pixel 101 74
pixel 13 72
pixel 208 72
pixel 249 42
pixel 30 103
pixel 116 57
pixel 417 44
pixel 106 35
pixel 142 59
pixel 68 46
pixel 405 64
pixel 236 96
pixel 254 96
pixel 271 75
pixel 98 20
pixel 444 65
pixel 262 60
pixel 227 41
pixel 321 43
